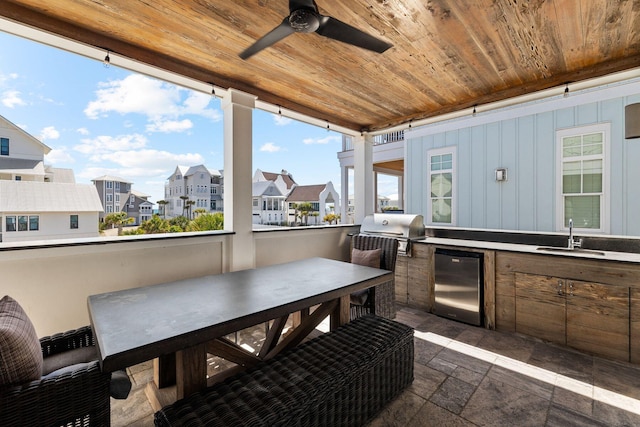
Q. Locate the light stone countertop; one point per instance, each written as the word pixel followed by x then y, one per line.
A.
pixel 533 249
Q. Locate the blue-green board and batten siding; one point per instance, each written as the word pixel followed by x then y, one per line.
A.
pixel 523 140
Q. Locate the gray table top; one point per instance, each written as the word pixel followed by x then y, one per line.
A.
pixel 135 325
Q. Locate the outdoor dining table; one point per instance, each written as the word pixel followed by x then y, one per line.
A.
pixel 180 322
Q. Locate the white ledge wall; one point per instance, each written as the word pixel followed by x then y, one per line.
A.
pixel 52 283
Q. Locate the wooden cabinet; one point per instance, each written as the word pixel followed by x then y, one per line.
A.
pixel 587 316
pixel 413 278
pixel 541 307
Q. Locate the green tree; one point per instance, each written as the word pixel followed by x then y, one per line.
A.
pixel 204 222
pixel 305 209
pixel 118 220
pixel 155 225
pixel 199 212
pixel 180 221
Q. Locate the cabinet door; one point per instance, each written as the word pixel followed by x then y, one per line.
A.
pixel 419 289
pixel 540 307
pixel 598 319
pixel 401 280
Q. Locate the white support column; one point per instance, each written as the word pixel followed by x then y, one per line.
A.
pixel 344 194
pixel 363 177
pixel 238 126
pixel 401 192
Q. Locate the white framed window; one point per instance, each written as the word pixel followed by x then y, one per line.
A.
pixel 109 184
pixel 582 178
pixel 441 185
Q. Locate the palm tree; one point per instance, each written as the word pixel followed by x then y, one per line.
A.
pixel 163 204
pixel 184 205
pixel 118 219
pixel 190 204
pixel 305 209
pixel 199 211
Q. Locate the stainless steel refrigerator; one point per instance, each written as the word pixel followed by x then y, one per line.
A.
pixel 459 285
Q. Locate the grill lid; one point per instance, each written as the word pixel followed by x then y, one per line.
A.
pixel 402 226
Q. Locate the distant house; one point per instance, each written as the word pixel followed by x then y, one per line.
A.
pixel 323 199
pixel 37 201
pixel 193 187
pixel 283 180
pixel 117 195
pixel 269 205
pixel 48 210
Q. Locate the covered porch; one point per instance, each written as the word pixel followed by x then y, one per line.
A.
pixel 447 60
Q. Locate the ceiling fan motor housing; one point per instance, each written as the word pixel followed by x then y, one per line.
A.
pixel 304 20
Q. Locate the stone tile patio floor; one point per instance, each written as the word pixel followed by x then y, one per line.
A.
pixel 469 376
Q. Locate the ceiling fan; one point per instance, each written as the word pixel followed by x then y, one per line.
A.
pixel 305 18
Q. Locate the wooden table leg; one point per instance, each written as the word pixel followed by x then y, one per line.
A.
pixel 164 370
pixel 341 314
pixel 191 370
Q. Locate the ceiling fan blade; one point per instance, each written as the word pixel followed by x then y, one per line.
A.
pixel 299 4
pixel 273 36
pixel 338 30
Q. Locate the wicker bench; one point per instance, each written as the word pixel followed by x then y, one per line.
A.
pixel 344 377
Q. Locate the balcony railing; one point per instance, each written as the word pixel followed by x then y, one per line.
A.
pixel 384 138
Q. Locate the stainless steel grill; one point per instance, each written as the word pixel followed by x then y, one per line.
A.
pixel 404 227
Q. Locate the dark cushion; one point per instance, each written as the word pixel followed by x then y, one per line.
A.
pixel 68 358
pixel 80 358
pixel 66 370
pixel 20 351
pixel 368 258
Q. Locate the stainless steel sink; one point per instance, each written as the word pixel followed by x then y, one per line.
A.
pixel 577 250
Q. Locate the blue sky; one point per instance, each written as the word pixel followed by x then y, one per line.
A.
pixel 105 120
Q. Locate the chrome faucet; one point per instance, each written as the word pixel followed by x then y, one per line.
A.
pixel 577 243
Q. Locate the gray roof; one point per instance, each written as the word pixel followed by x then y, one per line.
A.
pixel 21 166
pixel 42 197
pixel 61 174
pixel 260 187
pixel 111 178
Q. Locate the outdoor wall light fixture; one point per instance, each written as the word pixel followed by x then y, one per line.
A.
pixel 566 91
pixel 632 121
pixel 107 60
pixel 501 174
pixel 474 111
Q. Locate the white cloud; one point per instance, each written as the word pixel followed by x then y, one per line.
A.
pixel 157 100
pixel 83 131
pixel 270 147
pixel 50 132
pixel 326 140
pixel 11 99
pixel 105 144
pixel 59 155
pixel 170 126
pixel 149 160
pixel 281 120
pixel 10 76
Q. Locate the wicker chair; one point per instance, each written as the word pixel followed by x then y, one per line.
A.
pixel 382 298
pixel 77 397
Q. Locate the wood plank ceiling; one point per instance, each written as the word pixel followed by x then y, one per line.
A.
pixel 447 55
